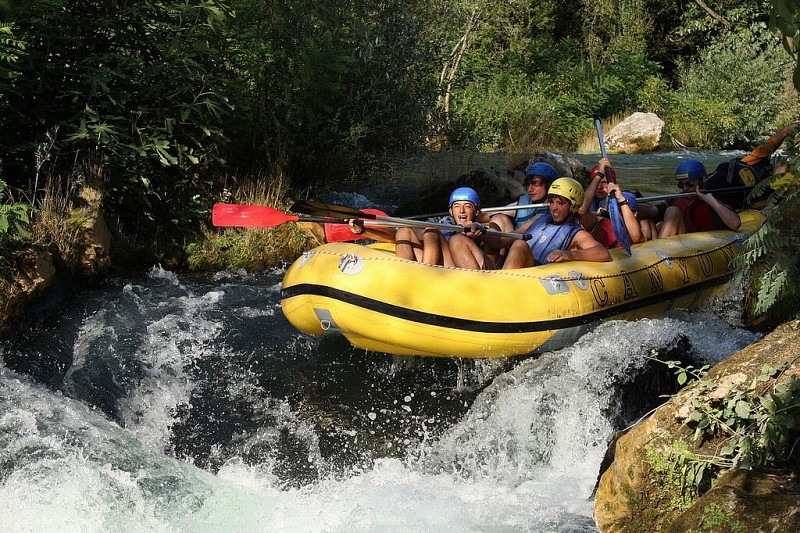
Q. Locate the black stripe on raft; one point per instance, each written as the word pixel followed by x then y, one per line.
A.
pixel 492 327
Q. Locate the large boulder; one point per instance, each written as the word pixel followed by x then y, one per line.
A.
pixel 640 132
pixel 635 494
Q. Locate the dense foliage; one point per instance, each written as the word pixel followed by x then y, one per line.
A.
pixel 757 423
pixel 164 103
pixel 771 252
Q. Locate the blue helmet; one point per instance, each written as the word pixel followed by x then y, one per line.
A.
pixel 464 194
pixel 544 170
pixel 690 169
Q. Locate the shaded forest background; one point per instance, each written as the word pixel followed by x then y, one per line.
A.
pixel 168 105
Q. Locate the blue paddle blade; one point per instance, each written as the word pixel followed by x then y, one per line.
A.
pixel 618 225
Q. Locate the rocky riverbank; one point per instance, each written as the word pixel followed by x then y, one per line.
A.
pixel 44 269
pixel 638 493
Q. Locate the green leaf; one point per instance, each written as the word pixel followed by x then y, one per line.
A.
pixel 743 409
pixel 728 449
pixel 768 403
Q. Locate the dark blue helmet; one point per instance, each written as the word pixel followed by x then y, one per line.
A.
pixel 542 169
pixel 691 169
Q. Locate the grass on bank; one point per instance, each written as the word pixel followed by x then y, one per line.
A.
pixel 253 249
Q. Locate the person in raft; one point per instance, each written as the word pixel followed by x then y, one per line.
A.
pixel 602 180
pixel 596 197
pixel 600 226
pixel 701 212
pixel 466 250
pixel 748 170
pixel 593 214
pixel 538 177
pixel 432 246
pixel 555 237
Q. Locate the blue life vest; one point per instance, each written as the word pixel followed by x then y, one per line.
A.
pixel 547 237
pixel 599 204
pixel 524 215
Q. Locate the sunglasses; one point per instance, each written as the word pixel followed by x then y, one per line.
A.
pixel 535 181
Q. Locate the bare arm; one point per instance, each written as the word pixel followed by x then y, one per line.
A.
pixel 584 247
pixel 372 232
pixel 588 220
pixel 591 190
pixel 728 215
pixel 631 222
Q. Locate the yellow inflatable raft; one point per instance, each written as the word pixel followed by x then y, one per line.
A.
pixel 382 303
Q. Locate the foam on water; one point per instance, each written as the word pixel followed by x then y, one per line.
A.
pixel 524 457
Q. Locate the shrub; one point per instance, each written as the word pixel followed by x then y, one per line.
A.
pixel 14 217
pixel 728 97
pixel 757 424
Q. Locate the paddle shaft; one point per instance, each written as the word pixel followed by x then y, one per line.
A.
pixel 316 208
pixel 687 194
pixel 486 210
pixel 437 225
pixel 599 126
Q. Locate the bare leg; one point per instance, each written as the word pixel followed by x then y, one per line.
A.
pixel 431 249
pixel 467 254
pixel 649 228
pixel 519 256
pixel 504 222
pixel 673 223
pixel 408 244
pixel 494 246
pixel 447 257
pixel 647 214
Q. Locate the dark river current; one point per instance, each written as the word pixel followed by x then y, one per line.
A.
pixel 171 402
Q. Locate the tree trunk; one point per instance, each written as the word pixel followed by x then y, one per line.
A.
pixel 450 69
pixel 715 15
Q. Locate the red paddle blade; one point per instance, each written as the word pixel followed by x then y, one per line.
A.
pixel 342 233
pixel 248 216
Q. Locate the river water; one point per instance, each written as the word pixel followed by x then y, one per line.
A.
pixel 173 402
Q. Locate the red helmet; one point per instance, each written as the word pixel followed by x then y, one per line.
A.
pixel 610 173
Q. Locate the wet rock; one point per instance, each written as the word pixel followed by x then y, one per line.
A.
pixel 648 388
pixel 742 500
pixel 634 496
pixel 37 272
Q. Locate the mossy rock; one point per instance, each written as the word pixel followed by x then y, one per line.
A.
pixel 742 501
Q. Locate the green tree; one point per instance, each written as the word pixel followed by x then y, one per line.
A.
pixel 326 88
pixel 141 84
